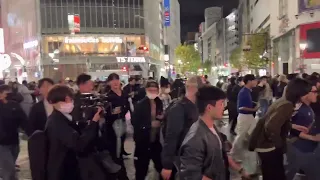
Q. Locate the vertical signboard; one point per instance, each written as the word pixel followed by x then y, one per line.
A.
pixel 166 5
pixel 74 23
pixel 76 20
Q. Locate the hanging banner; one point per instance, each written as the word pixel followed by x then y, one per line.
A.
pixel 74 23
pixel 166 5
pixel 76 20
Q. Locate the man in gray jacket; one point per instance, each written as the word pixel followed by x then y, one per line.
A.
pixel 201 153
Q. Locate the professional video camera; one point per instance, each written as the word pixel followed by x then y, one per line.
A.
pixel 90 104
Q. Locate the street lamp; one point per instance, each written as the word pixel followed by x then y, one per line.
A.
pixel 303 46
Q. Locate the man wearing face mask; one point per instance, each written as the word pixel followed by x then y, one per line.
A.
pixel 179 119
pixel 69 145
pixel 146 121
pixel 12 117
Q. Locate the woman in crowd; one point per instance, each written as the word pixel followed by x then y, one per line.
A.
pixel 282 83
pixel 269 136
pixel 67 143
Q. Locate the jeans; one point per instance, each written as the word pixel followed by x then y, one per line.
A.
pixel 307 162
pixel 246 124
pixel 8 156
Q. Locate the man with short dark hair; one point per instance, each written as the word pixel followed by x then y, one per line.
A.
pixel 201 151
pixel 42 110
pixel 12 117
pixel 85 85
pixel 245 124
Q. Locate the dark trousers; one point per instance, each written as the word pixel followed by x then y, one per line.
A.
pixel 272 165
pixel 233 115
pixel 144 153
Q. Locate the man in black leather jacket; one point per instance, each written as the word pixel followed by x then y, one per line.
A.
pixel 201 153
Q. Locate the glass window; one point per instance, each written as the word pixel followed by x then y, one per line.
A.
pixel 59 17
pixel 64 13
pixel 131 17
pixel 99 17
pixel 48 17
pixel 43 17
pixel 93 16
pixel 106 18
pixel 82 17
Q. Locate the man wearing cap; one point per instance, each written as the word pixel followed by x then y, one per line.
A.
pixel 146 121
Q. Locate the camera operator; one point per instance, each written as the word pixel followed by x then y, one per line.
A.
pixel 85 85
pixel 114 129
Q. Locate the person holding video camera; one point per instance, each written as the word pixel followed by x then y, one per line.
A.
pixel 70 146
pixel 85 85
pixel 114 128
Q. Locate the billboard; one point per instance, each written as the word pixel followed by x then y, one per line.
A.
pixel 166 5
pixel 307 5
pixel 74 23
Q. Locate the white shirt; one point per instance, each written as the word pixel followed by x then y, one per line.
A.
pixel 213 130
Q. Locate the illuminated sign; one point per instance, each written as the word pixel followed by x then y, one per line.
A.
pixel 80 40
pixel 111 40
pixel 30 44
pixel 166 5
pixel 74 23
pixel 131 59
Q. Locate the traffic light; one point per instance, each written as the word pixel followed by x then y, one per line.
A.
pixel 124 68
pixel 143 48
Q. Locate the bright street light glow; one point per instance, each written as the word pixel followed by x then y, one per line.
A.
pixel 303 46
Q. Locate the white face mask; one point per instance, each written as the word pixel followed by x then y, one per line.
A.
pixel 152 96
pixel 167 90
pixel 66 108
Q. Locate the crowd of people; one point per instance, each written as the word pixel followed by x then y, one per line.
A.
pixel 174 125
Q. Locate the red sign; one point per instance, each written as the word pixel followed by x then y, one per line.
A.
pixel 303 38
pixel 76 20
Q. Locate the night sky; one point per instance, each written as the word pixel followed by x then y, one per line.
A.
pixel 192 12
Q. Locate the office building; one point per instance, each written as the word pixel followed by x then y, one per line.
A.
pixel 61 39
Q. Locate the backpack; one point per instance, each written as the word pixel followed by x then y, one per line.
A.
pixel 186 125
pixel 38 154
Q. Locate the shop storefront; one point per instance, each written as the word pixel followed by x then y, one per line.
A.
pixel 101 67
pixel 100 55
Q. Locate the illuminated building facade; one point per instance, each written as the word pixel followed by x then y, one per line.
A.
pixel 63 38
